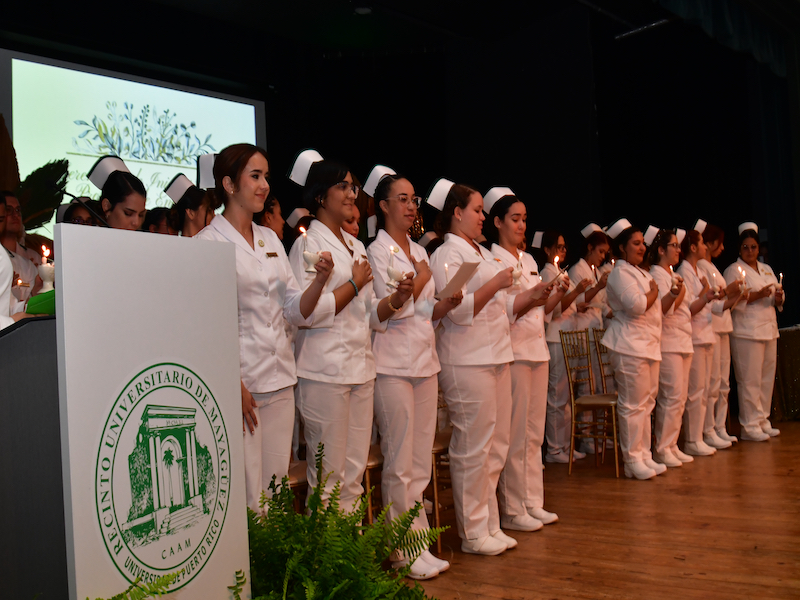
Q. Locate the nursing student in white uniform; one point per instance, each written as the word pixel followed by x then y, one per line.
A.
pixel 521 483
pixel 754 341
pixel 11 310
pixel 406 386
pixel 719 384
pixel 475 353
pixel 703 338
pixel 559 411
pixel 122 194
pixel 192 209
pixel 267 293
pixel 676 347
pixel 335 364
pixel 634 341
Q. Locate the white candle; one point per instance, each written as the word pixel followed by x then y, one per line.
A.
pixel 391 256
pixel 446 273
pixel 594 272
pixel 519 261
pixel 612 262
pixel 780 282
pixel 45 254
pixel 674 276
pixel 305 239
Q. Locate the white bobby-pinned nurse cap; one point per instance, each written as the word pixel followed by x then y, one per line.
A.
pixel 680 234
pixel 374 178
pixel 427 238
pixel 302 165
pixel 618 227
pixel 103 169
pixel 493 195
pixel 295 216
pixel 590 229
pixel 536 242
pixel 650 234
pixel 205 171
pixel 438 193
pixel 700 226
pixel 179 185
pixel 372 226
pixel 747 225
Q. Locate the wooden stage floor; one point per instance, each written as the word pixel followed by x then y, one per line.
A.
pixel 726 526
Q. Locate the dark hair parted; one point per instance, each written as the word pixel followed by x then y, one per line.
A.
pixel 596 238
pixel 269 205
pixel 231 163
pixel 550 238
pixel 623 238
pixel 692 237
pixel 193 199
pixel 499 210
pixel 382 191
pixel 661 241
pixel 457 197
pixel 322 176
pixel 120 185
pixel 712 234
pixel 155 217
pixel 749 233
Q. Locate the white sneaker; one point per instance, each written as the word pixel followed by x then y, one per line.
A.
pixel 500 536
pixel 698 449
pixel 520 523
pixel 681 456
pixel 639 470
pixel 667 458
pixel 771 431
pixel 543 515
pixel 713 440
pixel 724 435
pixel 419 569
pixel 486 545
pixel 577 454
pixel 657 467
pixel 756 436
pixel 563 457
pixel 437 563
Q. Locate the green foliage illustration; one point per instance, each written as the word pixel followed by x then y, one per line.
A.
pixel 139 591
pixel 328 553
pixel 150 135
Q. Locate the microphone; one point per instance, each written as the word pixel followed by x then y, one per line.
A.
pixel 84 205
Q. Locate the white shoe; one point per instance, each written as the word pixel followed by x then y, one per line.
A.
pixel 500 536
pixel 543 515
pixel 657 467
pixel 724 435
pixel 437 563
pixel 486 545
pixel 684 458
pixel 577 454
pixel 756 436
pixel 639 470
pixel 520 523
pixel 563 457
pixel 771 431
pixel 698 449
pixel 419 569
pixel 713 440
pixel 667 458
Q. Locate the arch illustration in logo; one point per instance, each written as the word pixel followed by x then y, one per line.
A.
pixel 163 475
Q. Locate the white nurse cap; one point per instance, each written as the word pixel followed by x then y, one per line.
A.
pixel 205 171
pixel 302 165
pixel 374 178
pixel 700 226
pixel 590 229
pixel 747 225
pixel 295 216
pixel 536 242
pixel 680 234
pixel 650 234
pixel 372 226
pixel 493 195
pixel 103 169
pixel 427 238
pixel 179 185
pixel 618 227
pixel 438 193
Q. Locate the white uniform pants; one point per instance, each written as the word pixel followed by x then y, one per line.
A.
pixel 268 450
pixel 479 399
pixel 694 415
pixel 637 386
pixel 405 409
pixel 673 388
pixel 720 385
pixel 521 483
pixel 559 409
pixel 340 417
pixel 754 362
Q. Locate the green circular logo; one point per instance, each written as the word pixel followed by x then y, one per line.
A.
pixel 163 475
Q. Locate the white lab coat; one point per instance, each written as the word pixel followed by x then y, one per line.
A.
pixel 6 275
pixel 26 271
pixel 756 320
pixel 592 318
pixel 702 328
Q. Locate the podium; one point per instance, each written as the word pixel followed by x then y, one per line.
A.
pixel 122 425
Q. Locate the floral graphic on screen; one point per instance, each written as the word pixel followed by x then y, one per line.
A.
pixel 147 134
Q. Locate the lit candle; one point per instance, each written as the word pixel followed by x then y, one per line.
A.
pixel 391 256
pixel 19 281
pixel 45 254
pixel 674 276
pixel 780 281
pixel 519 261
pixel 612 262
pixel 305 239
pixel 594 272
pixel 446 273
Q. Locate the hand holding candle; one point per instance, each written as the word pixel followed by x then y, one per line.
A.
pixel 517 272
pixel 310 258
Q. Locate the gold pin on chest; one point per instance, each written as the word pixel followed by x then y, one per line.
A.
pixel 261 243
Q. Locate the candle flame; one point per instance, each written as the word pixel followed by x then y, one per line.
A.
pixel 45 251
pixel 555 261
pixel 19 281
pixel 303 229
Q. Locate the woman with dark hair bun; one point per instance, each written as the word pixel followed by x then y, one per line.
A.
pixel 123 195
pixel 267 294
pixel 193 209
pixel 754 341
pixel 633 339
pixel 157 221
pixel 271 217
pixel 475 352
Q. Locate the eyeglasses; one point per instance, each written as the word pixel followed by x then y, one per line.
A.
pixel 675 245
pixel 561 247
pixel 746 247
pixel 14 210
pixel 415 200
pixel 347 187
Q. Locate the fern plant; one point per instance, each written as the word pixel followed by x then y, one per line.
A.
pixel 328 553
pixel 139 591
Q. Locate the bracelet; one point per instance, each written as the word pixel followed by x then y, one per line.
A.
pixel 392 306
pixel 355 287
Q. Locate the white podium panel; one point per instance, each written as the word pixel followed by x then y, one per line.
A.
pixel 150 404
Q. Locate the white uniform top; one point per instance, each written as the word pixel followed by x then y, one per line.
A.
pixel 606 267
pixel 29 253
pixel 676 324
pixel 721 319
pixel 559 319
pixel 482 339
pixel 26 271
pixel 702 330
pixel 267 292
pixel 405 343
pixel 527 332
pixel 635 329
pixel 6 275
pixel 593 317
pixel 756 320
pixel 341 352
